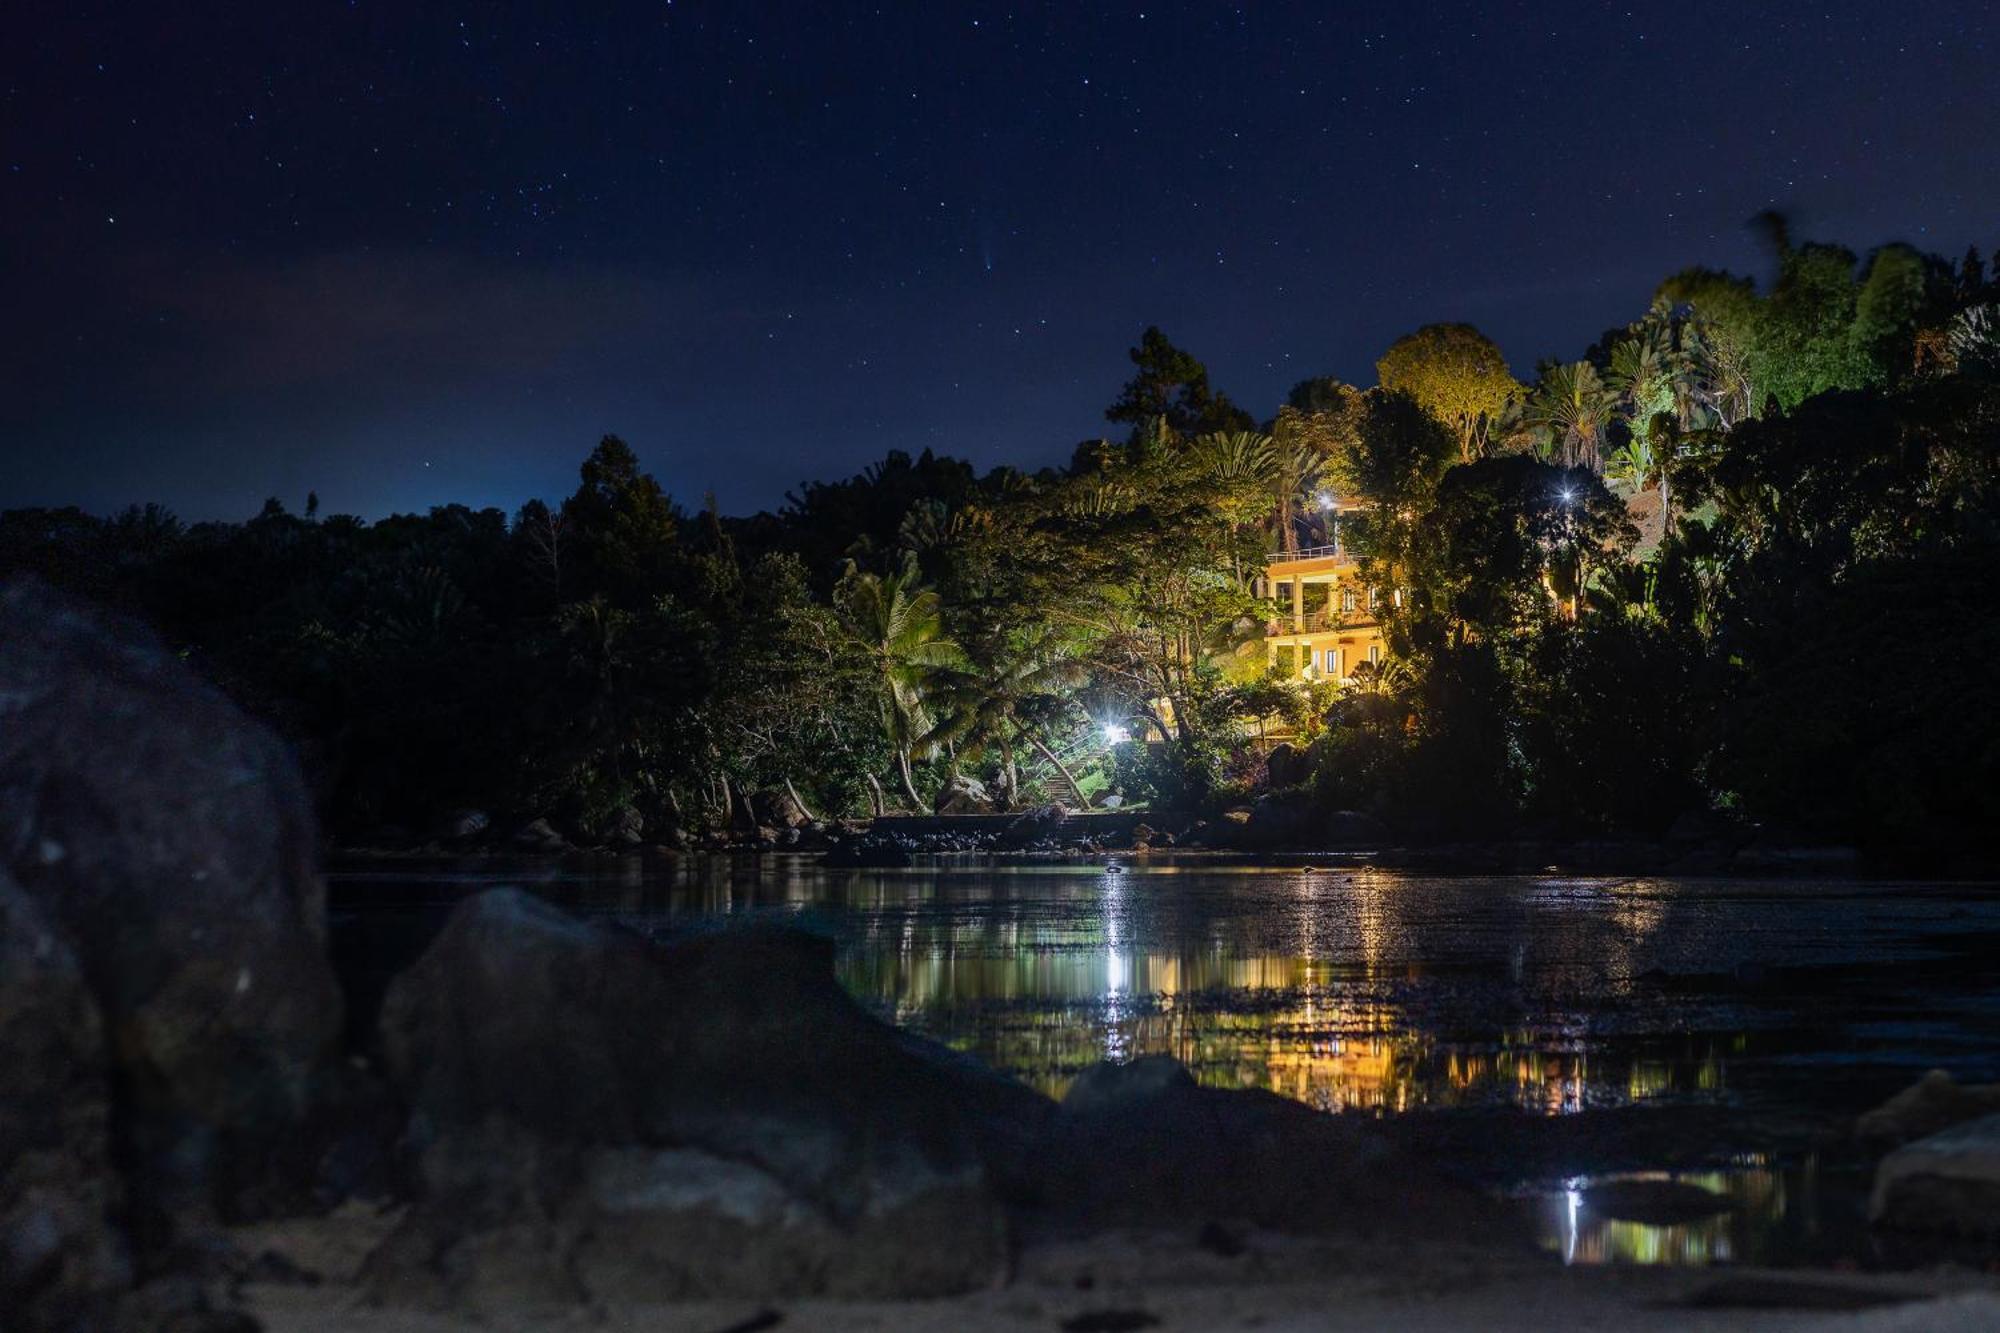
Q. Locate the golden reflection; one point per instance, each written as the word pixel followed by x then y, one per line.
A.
pixel 1044 970
pixel 1294 1026
pixel 1757 1191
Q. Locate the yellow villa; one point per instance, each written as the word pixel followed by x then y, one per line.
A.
pixel 1326 624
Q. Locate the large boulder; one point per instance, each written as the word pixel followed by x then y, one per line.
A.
pixel 62 1263
pixel 962 795
pixel 1288 765
pixel 522 1010
pixel 777 809
pixel 1142 1144
pixel 511 1221
pixel 668 1090
pixel 1030 828
pixel 1935 1102
pixel 1947 1183
pixel 1280 819
pixel 1351 830
pixel 169 837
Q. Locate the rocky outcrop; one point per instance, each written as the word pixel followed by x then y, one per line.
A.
pixel 1040 826
pixel 1933 1103
pixel 1288 765
pixel 721 1094
pixel 1143 1145
pixel 778 809
pixel 62 1263
pixel 962 795
pixel 169 838
pixel 539 835
pixel 1947 1183
pixel 1292 820
pixel 1351 830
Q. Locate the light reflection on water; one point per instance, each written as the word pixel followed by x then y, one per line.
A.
pixel 1764 1200
pixel 1357 990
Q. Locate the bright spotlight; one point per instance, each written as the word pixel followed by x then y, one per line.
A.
pixel 1115 734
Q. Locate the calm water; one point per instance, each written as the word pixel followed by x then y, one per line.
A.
pixel 1551 1032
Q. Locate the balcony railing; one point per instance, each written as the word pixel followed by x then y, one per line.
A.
pixel 1306 553
pixel 1319 620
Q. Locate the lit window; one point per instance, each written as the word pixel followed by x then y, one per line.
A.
pixel 1347 600
pixel 1375 653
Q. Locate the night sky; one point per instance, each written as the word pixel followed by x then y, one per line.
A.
pixel 408 254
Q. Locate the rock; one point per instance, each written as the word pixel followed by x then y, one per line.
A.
pixel 1345 830
pixel 738 1044
pixel 962 795
pixel 1770 857
pixel 1042 824
pixel 1948 1182
pixel 538 1043
pixel 776 809
pixel 540 835
pixel 1706 827
pixel 1142 1144
pixel 625 828
pixel 679 1224
pixel 867 853
pixel 1288 765
pixel 463 825
pixel 1279 819
pixel 1935 1102
pixel 512 1222
pixel 63 1264
pixel 169 837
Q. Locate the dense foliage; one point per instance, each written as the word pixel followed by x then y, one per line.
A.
pixel 1741 553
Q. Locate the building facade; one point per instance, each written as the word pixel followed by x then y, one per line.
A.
pixel 1326 623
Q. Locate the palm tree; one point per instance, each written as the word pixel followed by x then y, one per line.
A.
pixel 987 704
pixel 1296 467
pixel 899 624
pixel 1571 409
pixel 1243 455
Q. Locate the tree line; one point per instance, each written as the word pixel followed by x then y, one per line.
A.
pixel 1739 554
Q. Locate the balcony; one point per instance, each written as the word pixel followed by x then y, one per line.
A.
pixel 1319 620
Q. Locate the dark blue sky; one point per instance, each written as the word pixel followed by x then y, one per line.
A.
pixel 404 254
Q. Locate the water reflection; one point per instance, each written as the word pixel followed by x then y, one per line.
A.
pixel 1767 1204
pixel 1357 990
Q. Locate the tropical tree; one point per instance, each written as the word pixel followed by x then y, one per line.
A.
pixel 899 625
pixel 1570 412
pixel 1171 385
pixel 1000 698
pixel 1457 374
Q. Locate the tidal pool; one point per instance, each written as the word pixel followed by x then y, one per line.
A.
pixel 1541 1034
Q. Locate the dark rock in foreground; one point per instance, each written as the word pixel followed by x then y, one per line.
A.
pixel 711 1118
pixel 1143 1145
pixel 62 1264
pixel 169 838
pixel 601 1118
pixel 1947 1183
pixel 1933 1103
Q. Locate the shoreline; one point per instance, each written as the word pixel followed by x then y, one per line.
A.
pixel 1510 859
